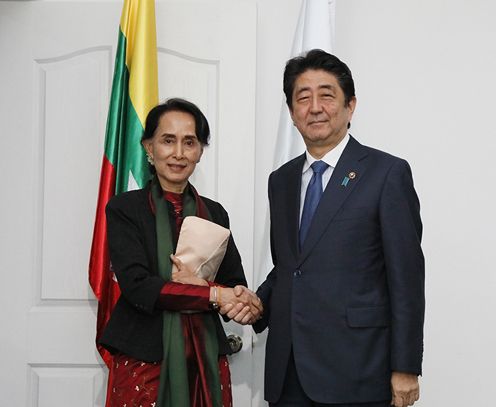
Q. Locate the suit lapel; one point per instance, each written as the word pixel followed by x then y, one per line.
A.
pixel 340 186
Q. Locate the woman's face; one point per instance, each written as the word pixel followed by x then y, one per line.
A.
pixel 175 150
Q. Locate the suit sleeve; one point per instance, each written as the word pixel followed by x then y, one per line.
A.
pixel 264 292
pixel 401 230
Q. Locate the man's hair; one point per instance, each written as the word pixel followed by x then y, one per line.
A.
pixel 202 128
pixel 316 59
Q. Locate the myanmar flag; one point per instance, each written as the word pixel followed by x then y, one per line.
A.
pixel 124 167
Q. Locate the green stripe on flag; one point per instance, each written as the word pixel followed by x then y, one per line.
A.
pixel 124 130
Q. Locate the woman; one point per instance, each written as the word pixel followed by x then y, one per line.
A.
pixel 168 342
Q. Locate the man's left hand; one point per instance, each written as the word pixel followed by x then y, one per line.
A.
pixel 405 388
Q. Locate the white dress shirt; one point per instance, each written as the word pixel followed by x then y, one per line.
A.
pixel 331 158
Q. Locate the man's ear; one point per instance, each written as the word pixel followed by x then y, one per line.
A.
pixel 352 105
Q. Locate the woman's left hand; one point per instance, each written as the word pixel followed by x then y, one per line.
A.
pixel 184 275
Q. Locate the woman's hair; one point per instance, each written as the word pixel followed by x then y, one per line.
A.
pixel 202 128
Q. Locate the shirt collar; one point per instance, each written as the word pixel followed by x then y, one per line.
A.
pixel 331 157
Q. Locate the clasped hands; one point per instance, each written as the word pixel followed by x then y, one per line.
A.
pixel 242 305
pixel 239 303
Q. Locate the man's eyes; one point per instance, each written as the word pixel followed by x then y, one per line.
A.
pixel 306 98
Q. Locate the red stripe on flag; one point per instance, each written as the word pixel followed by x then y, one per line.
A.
pixel 101 279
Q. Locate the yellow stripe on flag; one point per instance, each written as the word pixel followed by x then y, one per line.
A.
pixel 138 26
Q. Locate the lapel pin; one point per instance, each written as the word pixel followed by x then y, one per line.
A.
pixel 346 179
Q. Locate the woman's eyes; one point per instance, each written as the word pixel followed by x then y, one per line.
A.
pixel 188 142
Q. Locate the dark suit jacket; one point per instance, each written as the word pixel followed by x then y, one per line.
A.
pixel 135 326
pixel 350 303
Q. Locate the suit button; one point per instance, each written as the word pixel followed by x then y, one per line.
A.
pixel 297 273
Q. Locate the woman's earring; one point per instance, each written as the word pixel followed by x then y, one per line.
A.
pixel 150 159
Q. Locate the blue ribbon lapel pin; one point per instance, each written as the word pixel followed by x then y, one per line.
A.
pixel 346 179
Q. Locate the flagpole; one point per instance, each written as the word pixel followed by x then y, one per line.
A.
pixel 315 29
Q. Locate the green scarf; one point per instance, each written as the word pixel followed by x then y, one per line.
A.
pixel 174 386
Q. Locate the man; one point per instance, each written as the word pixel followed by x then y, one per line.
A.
pixel 344 303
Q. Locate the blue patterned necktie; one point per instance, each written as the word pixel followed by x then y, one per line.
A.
pixel 312 198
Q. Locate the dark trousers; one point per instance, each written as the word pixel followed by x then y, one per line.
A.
pixel 294 396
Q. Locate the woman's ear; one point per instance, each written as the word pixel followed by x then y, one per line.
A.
pixel 147 145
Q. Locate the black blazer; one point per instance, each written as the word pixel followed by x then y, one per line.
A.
pixel 135 326
pixel 350 303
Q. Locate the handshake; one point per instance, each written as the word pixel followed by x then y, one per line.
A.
pixel 239 304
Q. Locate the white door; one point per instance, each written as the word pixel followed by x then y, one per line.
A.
pixel 56 61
